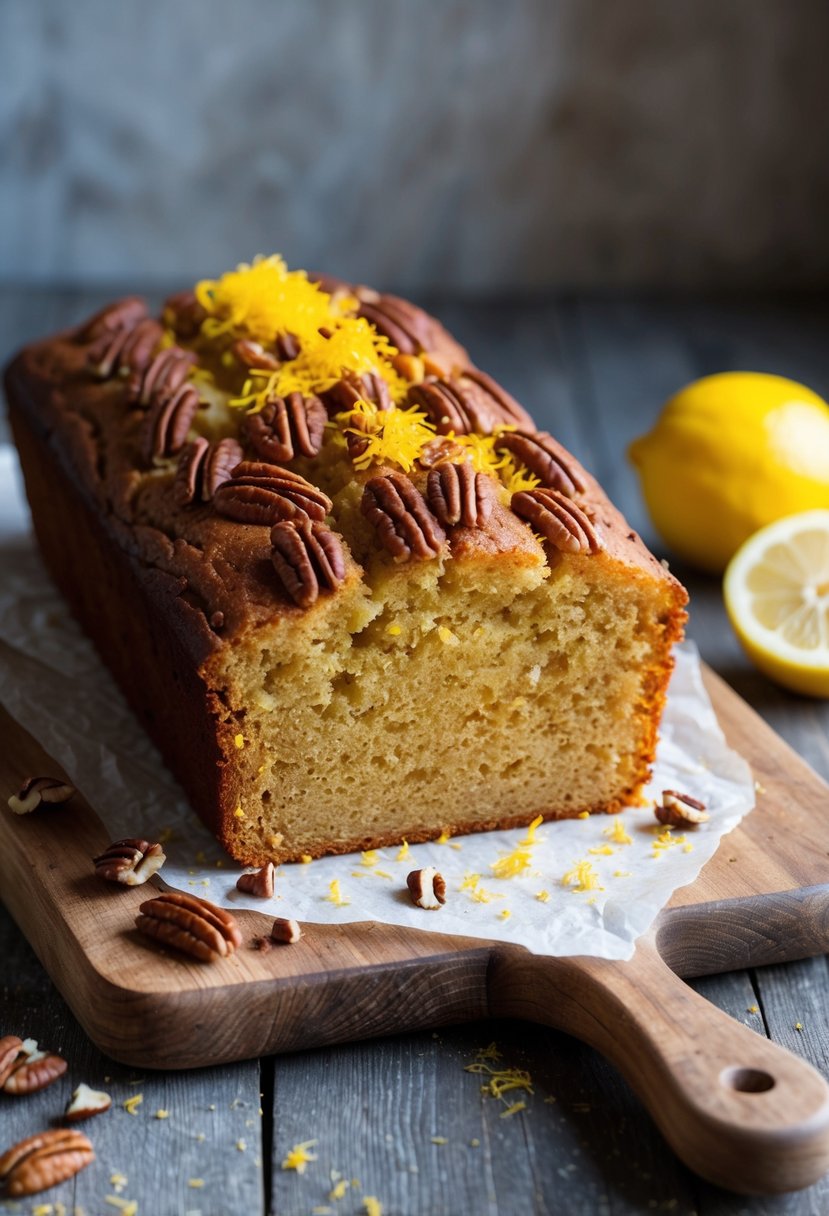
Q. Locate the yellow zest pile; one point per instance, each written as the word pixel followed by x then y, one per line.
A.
pixel 617 833
pixel 582 877
pixel 265 299
pixel 665 840
pixel 395 436
pixel 501 1081
pixel 486 457
pixel 520 858
pixel 472 884
pixel 298 1157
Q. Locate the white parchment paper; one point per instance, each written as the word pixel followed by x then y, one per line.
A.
pixel 53 682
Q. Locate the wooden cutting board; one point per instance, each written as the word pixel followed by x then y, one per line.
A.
pixel 738 1109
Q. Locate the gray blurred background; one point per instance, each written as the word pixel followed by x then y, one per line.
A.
pixel 471 146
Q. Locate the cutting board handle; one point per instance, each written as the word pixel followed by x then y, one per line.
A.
pixel 739 1110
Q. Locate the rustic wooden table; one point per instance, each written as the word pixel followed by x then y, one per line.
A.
pixel 594 372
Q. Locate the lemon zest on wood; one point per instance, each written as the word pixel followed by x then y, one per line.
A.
pixel 340 1189
pixel 514 1108
pixel 298 1157
pixel 372 1206
pixel 131 1105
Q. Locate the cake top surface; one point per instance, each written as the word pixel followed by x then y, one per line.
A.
pixel 276 436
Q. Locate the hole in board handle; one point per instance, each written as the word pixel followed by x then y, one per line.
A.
pixel 747 1080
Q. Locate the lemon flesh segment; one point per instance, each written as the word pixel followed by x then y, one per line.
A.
pixel 777 598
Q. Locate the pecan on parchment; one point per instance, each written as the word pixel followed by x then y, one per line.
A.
pixel 681 810
pixel 131 861
pixel 203 467
pixel 35 790
pixel 544 457
pixel 459 495
pixel 558 519
pixel 257 882
pixel 308 558
pixel 287 427
pixel 189 924
pixel 44 1160
pixel 405 526
pixel 260 493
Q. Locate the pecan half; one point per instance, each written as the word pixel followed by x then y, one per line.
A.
pixel 260 493
pixel 85 1103
pixel 407 327
pixel 287 427
pixel 124 350
pixel 164 429
pixel 44 1160
pixel 40 789
pixel 459 495
pixel 131 861
pixel 33 1070
pixel 257 882
pixel 472 402
pixel 184 314
pixel 203 467
pixel 286 931
pixel 544 457
pixel 441 451
pixel 558 519
pixel 253 354
pixel 10 1048
pixel 189 924
pixel 353 388
pixel 405 525
pixel 163 375
pixel 308 558
pixel 427 887
pixel 121 314
pixel 681 810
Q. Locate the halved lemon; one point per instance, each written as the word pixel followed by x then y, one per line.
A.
pixel 777 597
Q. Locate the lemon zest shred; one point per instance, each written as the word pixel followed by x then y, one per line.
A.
pixel 514 1108
pixel 444 837
pixel 298 1157
pixel 403 851
pixel 543 897
pixel 372 1206
pixel 131 1105
pixel 532 829
pixel 582 877
pixel 335 896
pixel 339 1189
pixel 617 833
pixel 369 857
pixel 504 914
pixel 603 849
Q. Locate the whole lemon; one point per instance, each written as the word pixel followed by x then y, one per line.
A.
pixel 729 454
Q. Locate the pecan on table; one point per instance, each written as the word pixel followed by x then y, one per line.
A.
pixel 167 423
pixel 44 1160
pixel 404 524
pixel 681 810
pixel 203 467
pixel 163 375
pixel 40 789
pixel 544 457
pixel 131 861
pixel 257 882
pixel 286 427
pixel 459 495
pixel 85 1103
pixel 558 519
pixel 286 931
pixel 189 924
pixel 32 1070
pixel 260 493
pixel 123 350
pixel 308 558
pixel 11 1046
pixel 121 314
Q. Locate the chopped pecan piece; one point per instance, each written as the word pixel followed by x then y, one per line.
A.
pixel 189 924
pixel 287 427
pixel 407 327
pixel 459 495
pixel 161 378
pixel 40 789
pixel 260 493
pixel 308 558
pixel 257 882
pixel 472 402
pixel 405 525
pixel 44 1160
pixel 427 887
pixel 123 350
pixel 681 810
pixel 286 931
pixel 85 1103
pixel 203 467
pixel 122 314
pixel 165 428
pixel 32 1070
pixel 558 519
pixel 184 314
pixel 10 1048
pixel 131 861
pixel 544 457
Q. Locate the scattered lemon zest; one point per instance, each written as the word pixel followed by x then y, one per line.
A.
pixel 239 741
pixel 298 1157
pixel 490 1052
pixel 381 874
pixel 369 858
pixel 475 1143
pixel 161 1114
pixel 128 1207
pixel 403 851
pixel 444 837
pixel 532 829
pixel 504 914
pixel 543 896
pixel 583 815
pixel 336 897
pixel 621 873
pixel 688 848
pixel 439 1140
pixel 119 1181
pixel 372 1206
pixel 501 1080
pixel 582 877
pixel 340 1189
pixel 604 849
pixel 396 436
pixel 195 1183
pixel 512 864
pixel 753 1009
pixel 306 858
pixel 131 1105
pixel 617 833
pixel 798 1025
pixel 514 1108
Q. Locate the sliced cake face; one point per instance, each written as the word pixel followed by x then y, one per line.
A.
pixel 406 609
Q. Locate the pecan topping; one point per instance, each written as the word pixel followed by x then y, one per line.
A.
pixel 253 354
pixel 459 495
pixel 32 1070
pixel 407 327
pixel 353 388
pixel 131 861
pixel 558 519
pixel 473 402
pixel 85 1103
pixel 184 314
pixel 127 349
pixel 410 367
pixel 287 427
pixel 681 810
pixel 189 924
pixel 40 789
pixel 405 525
pixel 260 493
pixel 308 559
pixel 164 430
pixel 286 931
pixel 160 379
pixel 122 314
pixel 544 457
pixel 44 1160
pixel 257 882
pixel 427 887
pixel 203 467
pixel 441 451
pixel 10 1048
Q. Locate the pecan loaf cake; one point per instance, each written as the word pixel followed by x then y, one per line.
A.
pixel 352 592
